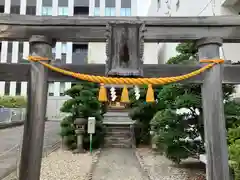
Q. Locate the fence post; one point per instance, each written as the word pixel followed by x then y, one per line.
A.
pixel 33 136
pixel 213 112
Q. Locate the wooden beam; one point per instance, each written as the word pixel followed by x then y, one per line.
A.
pixel 213 113
pixel 92 29
pixel 19 72
pixel 34 125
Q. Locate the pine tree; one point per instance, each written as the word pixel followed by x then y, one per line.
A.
pixel 83 104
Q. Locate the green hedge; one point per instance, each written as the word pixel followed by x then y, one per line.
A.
pixel 13 101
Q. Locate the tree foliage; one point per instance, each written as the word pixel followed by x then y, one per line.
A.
pixel 83 104
pixel 142 112
pixel 13 102
pixel 178 126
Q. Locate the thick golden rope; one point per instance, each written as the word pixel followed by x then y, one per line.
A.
pixel 134 81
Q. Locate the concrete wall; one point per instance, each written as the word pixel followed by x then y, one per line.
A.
pixel 54 105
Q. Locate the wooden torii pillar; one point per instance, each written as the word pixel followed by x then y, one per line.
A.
pixel 213 112
pixel 34 125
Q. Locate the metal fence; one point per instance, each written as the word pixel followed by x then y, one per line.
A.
pixel 8 115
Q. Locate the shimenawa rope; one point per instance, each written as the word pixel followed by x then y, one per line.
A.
pixel 125 81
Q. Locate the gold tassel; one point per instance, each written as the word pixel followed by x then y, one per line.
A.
pixel 102 96
pixel 150 94
pixel 125 97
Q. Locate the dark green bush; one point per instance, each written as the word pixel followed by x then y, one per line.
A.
pixel 177 134
pixel 83 104
pixel 142 112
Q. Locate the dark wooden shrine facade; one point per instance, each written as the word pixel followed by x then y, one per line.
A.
pixel 125 39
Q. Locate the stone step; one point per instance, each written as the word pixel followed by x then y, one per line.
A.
pixel 118 133
pixel 118 110
pixel 110 138
pixel 118 136
pixel 118 145
pixel 117 130
pixel 120 126
pixel 113 119
pixel 116 114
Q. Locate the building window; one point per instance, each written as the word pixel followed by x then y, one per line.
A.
pixel 64 48
pixel 7 88
pixel 62 88
pixel 126 3
pixel 110 12
pixel 54 50
pixel 20 54
pixel 31 10
pixel 47 11
pixel 63 11
pixel 63 3
pixel 125 12
pixel 78 48
pixel 158 4
pixel 18 88
pixel 79 53
pixel 51 89
pixel 1 9
pixel 15 10
pixel 97 3
pixel 20 50
pixel 81 10
pixel 97 11
pixel 10 44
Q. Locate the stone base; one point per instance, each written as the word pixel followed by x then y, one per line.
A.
pixel 77 151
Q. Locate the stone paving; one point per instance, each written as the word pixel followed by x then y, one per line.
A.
pixel 11 137
pixel 118 164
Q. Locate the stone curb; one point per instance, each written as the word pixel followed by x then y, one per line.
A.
pixel 54 147
pixel 16 124
pixel 11 125
pixel 143 166
pixel 95 160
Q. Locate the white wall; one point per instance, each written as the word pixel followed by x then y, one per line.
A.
pixel 195 8
pixel 198 8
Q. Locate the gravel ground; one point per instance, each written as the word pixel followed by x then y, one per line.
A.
pixel 11 137
pixel 63 165
pixel 160 168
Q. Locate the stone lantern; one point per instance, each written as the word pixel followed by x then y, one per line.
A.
pixel 80 124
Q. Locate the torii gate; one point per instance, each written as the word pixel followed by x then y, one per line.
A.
pixel 208 32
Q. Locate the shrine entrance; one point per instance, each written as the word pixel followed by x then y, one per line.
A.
pixel 125 38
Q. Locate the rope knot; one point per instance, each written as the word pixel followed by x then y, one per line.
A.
pixel 37 58
pixel 215 61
